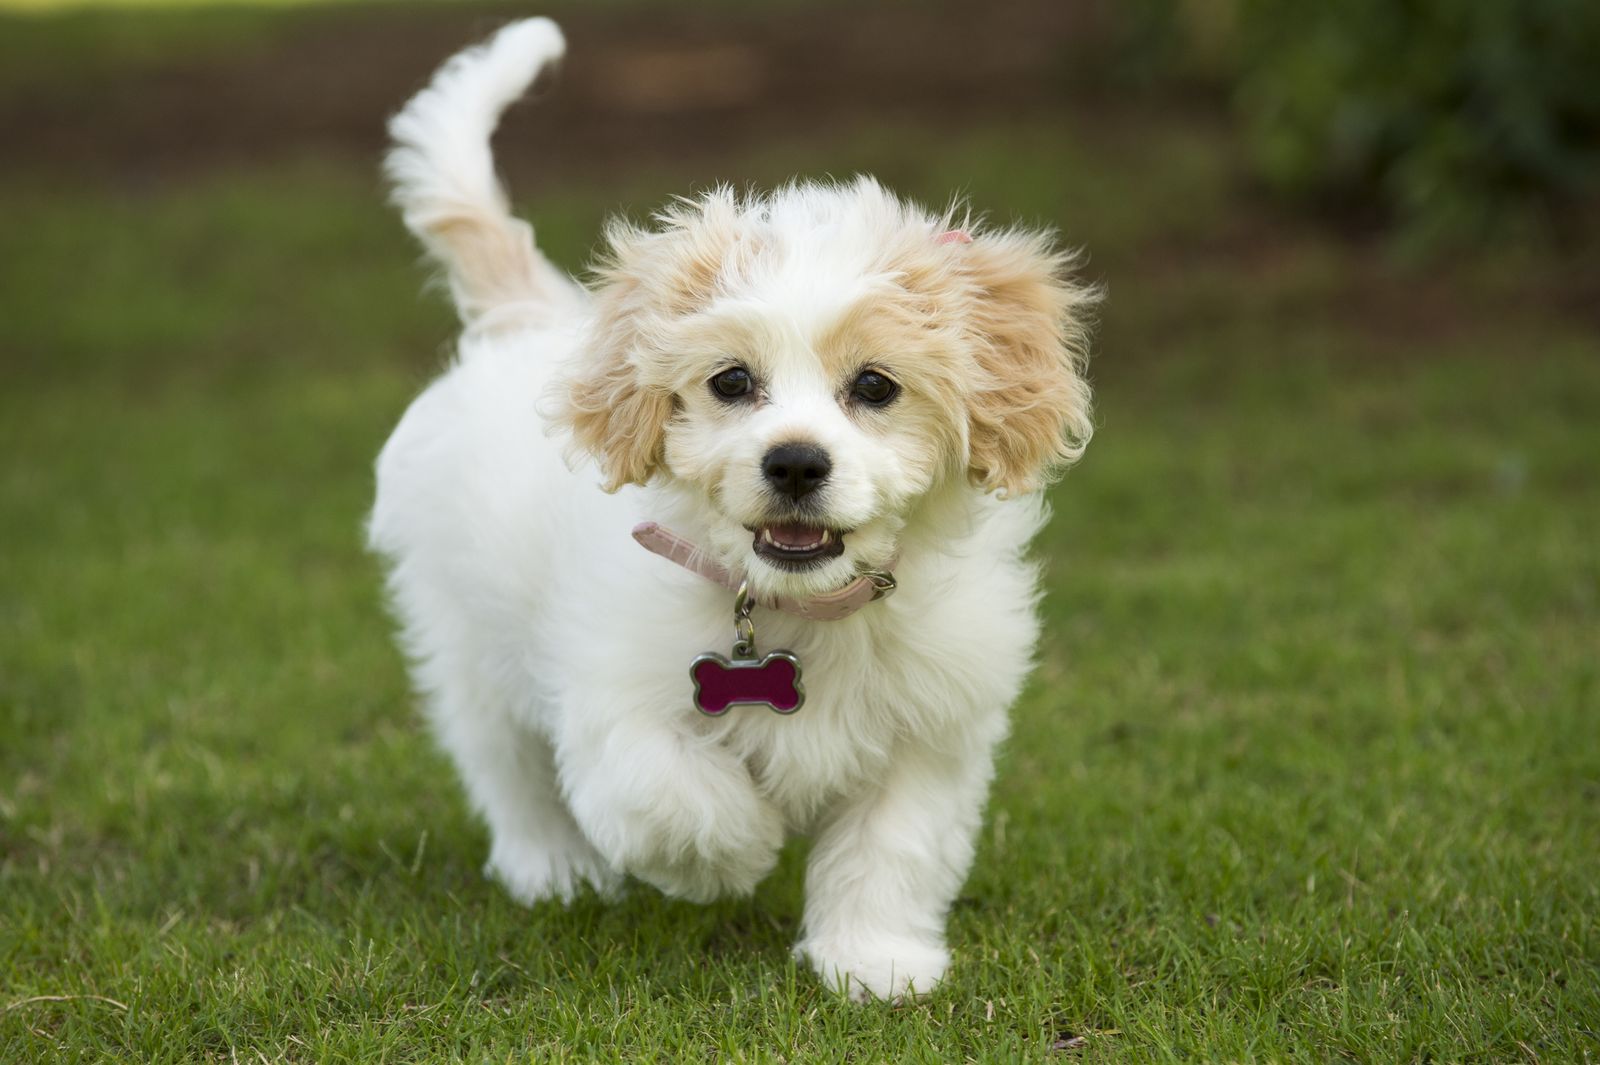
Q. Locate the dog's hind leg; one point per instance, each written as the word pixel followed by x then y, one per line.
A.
pixel 537 851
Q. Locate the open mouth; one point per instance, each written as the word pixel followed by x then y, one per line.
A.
pixel 794 546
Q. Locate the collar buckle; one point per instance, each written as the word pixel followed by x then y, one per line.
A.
pixel 883 583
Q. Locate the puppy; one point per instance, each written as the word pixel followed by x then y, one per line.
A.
pixel 796 403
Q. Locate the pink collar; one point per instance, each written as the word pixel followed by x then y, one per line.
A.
pixel 831 606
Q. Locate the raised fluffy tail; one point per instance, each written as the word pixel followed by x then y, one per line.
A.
pixel 444 182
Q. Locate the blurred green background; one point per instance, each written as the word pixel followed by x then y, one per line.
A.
pixel 1311 765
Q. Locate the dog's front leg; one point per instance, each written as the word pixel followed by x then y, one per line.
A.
pixel 885 869
pixel 667 805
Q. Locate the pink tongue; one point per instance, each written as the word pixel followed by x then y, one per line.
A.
pixel 795 535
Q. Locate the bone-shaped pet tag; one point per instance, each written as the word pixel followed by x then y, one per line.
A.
pixel 773 680
pixel 747 679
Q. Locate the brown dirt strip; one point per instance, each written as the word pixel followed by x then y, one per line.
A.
pixel 651 87
pixel 639 85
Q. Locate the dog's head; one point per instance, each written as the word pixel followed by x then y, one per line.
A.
pixel 807 367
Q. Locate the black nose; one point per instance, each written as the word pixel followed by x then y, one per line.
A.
pixel 796 470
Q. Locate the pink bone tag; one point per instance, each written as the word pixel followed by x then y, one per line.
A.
pixel 773 681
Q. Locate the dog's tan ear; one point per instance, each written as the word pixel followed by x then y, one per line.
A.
pixel 619 404
pixel 613 414
pixel 1029 413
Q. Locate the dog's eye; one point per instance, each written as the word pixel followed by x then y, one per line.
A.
pixel 873 388
pixel 733 383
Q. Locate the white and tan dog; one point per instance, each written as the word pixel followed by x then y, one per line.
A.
pixel 809 386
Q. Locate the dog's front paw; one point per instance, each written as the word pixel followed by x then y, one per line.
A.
pixel 729 855
pixel 698 833
pixel 533 871
pixel 896 970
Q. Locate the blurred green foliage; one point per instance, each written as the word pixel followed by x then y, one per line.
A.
pixel 1449 119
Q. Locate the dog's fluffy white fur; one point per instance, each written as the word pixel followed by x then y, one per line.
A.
pixel 553 651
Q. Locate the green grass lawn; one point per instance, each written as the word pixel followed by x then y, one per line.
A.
pixel 1310 769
